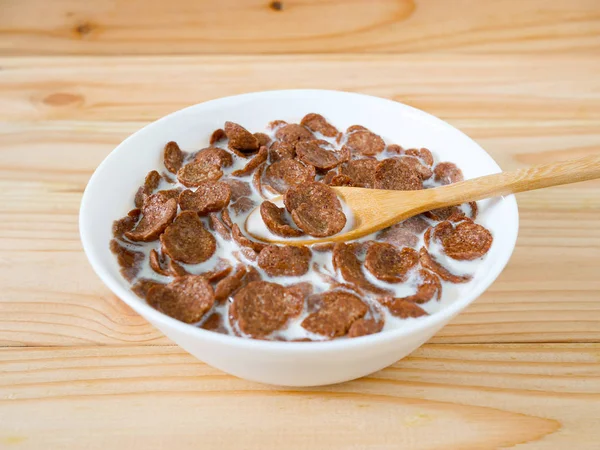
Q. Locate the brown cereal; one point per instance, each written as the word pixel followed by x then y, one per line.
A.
pixel 170 193
pixel 467 241
pixel 186 298
pixel 217 135
pixel 422 170
pixel 430 287
pixel 335 314
pixel 196 172
pixel 300 290
pixel 143 285
pixel 243 241
pixel 226 218
pixel 220 271
pixel 263 139
pixel 346 261
pixel 217 225
pixel 214 323
pixel 428 262
pixel 447 173
pixel 158 263
pixel 129 260
pixel 422 153
pixel 340 180
pixel 173 157
pixel 260 308
pixel 365 142
pixel 186 240
pixel 454 212
pixel 281 150
pixel 176 269
pixel 293 133
pixel 210 196
pixel 283 174
pixel 388 263
pixel 361 172
pixel 240 138
pixel 395 174
pixel 157 213
pixel 318 123
pixel 239 189
pixel 363 327
pixel 243 205
pixel 125 223
pixel 318 221
pixel 260 158
pixel 353 128
pixel 214 156
pixel 276 124
pixel 151 182
pixel 275 220
pixel 257 179
pixel 285 261
pixel 313 153
pixel 394 148
pixel 403 308
pixel 230 284
pixel 313 192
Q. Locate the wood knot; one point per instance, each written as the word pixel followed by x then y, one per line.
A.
pixel 276 6
pixel 83 29
pixel 61 99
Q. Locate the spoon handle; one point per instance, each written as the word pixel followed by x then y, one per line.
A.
pixel 527 179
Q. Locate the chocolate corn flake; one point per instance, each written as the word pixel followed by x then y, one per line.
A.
pixel 214 156
pixel 210 196
pixel 361 172
pixel 157 213
pixel 388 263
pixel 261 307
pixel 447 173
pixel 197 172
pixel 173 157
pixel 284 261
pixel 286 173
pixel 186 298
pixel 129 260
pixel 240 138
pixel 396 174
pixel 336 311
pixel 293 133
pixel 318 123
pixel 274 219
pixel 319 221
pixel 253 164
pixel 187 240
pixel 365 142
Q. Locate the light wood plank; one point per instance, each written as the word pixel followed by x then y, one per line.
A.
pixel 476 90
pixel 301 26
pixel 459 396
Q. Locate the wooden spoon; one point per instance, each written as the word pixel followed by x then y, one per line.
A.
pixel 375 209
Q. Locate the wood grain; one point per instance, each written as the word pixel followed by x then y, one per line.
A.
pixel 472 396
pixel 300 26
pixel 50 296
pixel 483 91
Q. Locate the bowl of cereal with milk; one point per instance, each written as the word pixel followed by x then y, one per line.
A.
pixel 164 221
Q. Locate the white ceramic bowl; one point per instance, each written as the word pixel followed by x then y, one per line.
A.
pixel 109 194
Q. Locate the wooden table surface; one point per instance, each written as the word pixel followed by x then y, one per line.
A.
pixel 78 369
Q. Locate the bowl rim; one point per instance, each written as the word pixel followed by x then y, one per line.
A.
pixel 423 323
